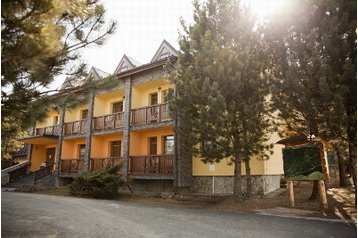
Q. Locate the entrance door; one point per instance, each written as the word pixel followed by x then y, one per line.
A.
pixel 50 156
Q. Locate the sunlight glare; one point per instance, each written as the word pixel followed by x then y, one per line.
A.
pixel 265 7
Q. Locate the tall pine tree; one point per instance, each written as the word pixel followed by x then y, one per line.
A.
pixel 40 39
pixel 314 70
pixel 221 93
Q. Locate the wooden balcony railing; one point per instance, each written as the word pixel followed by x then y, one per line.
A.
pixel 107 122
pixel 71 166
pixel 75 127
pixel 99 164
pixel 49 130
pixel 150 114
pixel 151 165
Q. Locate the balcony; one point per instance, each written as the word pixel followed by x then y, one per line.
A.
pixel 71 166
pixel 108 122
pixel 151 165
pixel 75 165
pixel 75 127
pixel 99 164
pixel 150 114
pixel 49 130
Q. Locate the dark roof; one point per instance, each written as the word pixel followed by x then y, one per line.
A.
pixel 296 139
pixel 145 67
pixel 21 153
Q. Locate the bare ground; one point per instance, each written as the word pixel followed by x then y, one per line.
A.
pixel 340 201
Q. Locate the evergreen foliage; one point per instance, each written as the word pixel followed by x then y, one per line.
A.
pixel 314 64
pixel 40 40
pixel 220 99
pixel 102 184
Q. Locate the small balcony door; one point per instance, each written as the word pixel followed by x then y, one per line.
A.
pixel 153 146
pixel 50 156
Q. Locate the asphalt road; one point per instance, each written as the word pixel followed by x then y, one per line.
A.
pixel 35 215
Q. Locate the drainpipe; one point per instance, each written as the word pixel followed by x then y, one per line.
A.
pixel 213 184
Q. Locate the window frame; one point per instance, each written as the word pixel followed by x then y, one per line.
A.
pixel 111 148
pixel 164 144
pixel 82 112
pixel 116 102
pixel 79 151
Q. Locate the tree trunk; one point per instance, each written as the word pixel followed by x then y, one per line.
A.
pixel 353 166
pixel 248 178
pixel 314 194
pixel 237 180
pixel 341 168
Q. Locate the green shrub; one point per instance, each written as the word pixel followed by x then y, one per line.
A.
pixel 102 184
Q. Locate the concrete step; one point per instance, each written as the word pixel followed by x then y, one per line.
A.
pixel 25 180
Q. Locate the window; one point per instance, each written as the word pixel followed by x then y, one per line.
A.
pixel 84 114
pixel 81 151
pixel 153 98
pixel 169 145
pixel 115 148
pixel 117 107
pixel 55 120
pixel 152 145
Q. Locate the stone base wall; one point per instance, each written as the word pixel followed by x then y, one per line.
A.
pixel 155 186
pixel 47 182
pixel 261 184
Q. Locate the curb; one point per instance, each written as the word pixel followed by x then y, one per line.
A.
pixel 309 218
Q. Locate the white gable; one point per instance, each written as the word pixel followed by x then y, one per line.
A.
pixel 125 64
pixel 164 51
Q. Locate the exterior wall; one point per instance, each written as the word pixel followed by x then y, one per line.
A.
pixel 274 165
pixel 139 140
pixel 261 184
pixel 49 120
pixel 141 92
pixel 38 155
pixel 70 148
pixel 100 145
pixel 155 186
pixel 74 114
pixel 103 102
pixel 225 168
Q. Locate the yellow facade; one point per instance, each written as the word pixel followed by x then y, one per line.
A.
pixel 38 155
pixel 139 140
pixel 70 148
pixel 258 166
pixel 141 93
pixel 50 120
pixel 101 145
pixel 103 102
pixel 75 113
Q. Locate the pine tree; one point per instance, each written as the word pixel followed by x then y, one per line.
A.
pixel 314 70
pixel 40 40
pixel 221 93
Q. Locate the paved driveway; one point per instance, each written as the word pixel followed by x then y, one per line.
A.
pixel 34 215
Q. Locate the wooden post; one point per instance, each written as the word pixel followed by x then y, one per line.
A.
pixel 291 193
pixel 322 193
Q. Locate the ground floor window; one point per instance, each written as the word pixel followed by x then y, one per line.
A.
pixel 115 148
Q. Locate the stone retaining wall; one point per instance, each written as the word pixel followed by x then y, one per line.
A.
pixel 261 184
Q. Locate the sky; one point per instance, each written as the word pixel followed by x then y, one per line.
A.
pixel 142 26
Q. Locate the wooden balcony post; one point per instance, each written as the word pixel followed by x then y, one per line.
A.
pixel 160 113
